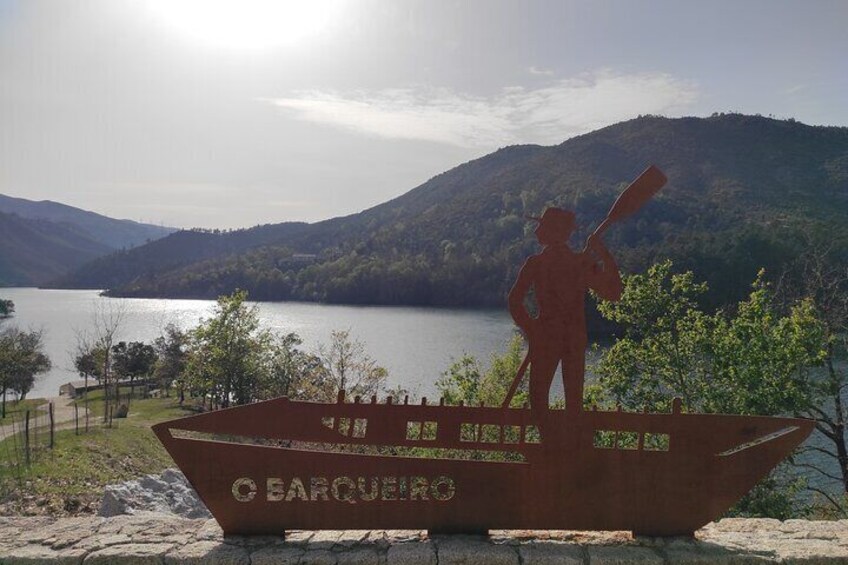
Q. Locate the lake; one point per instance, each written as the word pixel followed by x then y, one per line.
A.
pixel 415 345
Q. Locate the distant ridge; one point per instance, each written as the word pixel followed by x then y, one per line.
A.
pixel 44 240
pixel 741 189
pixel 117 234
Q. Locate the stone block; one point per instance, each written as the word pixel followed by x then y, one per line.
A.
pixel 39 554
pixel 358 556
pixel 208 552
pixel 413 553
pixel 623 555
pixel 276 556
pixel 318 557
pixel 745 525
pixel 386 538
pixel 351 538
pixel 715 555
pixel 551 553
pixel 810 552
pixel 130 554
pixel 299 537
pixel 472 550
pixel 325 539
pixel 97 542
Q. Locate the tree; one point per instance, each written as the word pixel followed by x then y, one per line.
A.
pixel 464 381
pixel 821 278
pixel 754 360
pixel 225 353
pixel 88 362
pixel 7 308
pixel 107 319
pixel 292 372
pixel 133 360
pixel 22 357
pixel 349 368
pixel 171 358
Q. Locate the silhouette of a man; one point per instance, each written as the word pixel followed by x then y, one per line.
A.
pixel 560 279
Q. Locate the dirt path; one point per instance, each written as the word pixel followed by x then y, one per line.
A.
pixel 63 412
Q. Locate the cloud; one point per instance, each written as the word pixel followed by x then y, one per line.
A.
pixel 545 115
pixel 796 89
pixel 534 70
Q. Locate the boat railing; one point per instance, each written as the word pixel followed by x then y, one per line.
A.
pixel 487 428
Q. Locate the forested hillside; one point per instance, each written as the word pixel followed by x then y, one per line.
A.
pixel 744 192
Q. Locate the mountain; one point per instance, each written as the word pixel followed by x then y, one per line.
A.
pixel 32 251
pixel 117 234
pixel 44 240
pixel 175 252
pixel 742 191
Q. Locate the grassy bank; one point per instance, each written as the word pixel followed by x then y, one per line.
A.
pixel 16 409
pixel 69 479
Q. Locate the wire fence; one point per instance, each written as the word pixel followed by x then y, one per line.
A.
pixel 28 436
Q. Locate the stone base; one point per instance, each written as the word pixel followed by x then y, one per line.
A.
pixel 160 539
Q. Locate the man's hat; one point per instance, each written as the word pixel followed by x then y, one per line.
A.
pixel 557 222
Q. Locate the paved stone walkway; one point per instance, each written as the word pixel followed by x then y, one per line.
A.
pixel 160 539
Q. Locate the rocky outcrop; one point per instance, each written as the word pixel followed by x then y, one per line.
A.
pixel 164 539
pixel 166 493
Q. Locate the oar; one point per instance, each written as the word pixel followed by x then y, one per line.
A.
pixel 634 197
pixel 517 380
pixel 628 202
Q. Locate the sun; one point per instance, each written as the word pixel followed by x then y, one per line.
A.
pixel 247 24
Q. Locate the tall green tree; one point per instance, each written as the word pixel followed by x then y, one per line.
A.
pixel 171 358
pixel 22 357
pixel 133 360
pixel 88 362
pixel 294 373
pixel 754 359
pixel 820 277
pixel 225 353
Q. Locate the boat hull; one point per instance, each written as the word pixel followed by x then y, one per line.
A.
pixel 265 489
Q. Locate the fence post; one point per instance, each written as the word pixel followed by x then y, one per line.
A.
pixel 26 437
pixel 76 419
pixel 52 425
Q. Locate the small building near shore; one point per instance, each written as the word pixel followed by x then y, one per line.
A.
pixel 74 389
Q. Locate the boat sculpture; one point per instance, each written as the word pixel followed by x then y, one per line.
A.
pixel 284 464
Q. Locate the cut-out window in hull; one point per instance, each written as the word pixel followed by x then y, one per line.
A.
pixel 421 431
pixel 347 426
pixel 630 441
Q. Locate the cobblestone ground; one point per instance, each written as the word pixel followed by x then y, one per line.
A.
pixel 160 539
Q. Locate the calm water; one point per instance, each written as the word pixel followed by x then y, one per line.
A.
pixel 416 345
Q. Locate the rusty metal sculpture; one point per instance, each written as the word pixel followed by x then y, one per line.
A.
pixel 281 464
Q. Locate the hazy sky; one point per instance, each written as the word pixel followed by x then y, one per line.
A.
pixel 229 114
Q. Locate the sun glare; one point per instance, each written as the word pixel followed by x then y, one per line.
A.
pixel 247 24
